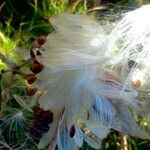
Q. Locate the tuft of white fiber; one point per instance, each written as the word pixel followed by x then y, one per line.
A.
pixel 88 76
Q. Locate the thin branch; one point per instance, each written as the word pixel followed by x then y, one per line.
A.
pixel 124 142
pixel 97 8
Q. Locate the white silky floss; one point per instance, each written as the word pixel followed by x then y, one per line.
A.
pixel 86 87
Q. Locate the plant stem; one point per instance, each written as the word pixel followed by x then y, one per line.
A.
pixel 124 142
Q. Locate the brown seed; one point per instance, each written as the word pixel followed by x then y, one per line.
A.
pixel 137 84
pixel 32 54
pixel 29 77
pixel 35 44
pixel 40 123
pixel 38 53
pixel 41 40
pixel 40 112
pixel 36 67
pixel 131 64
pixel 31 91
pixel 72 131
